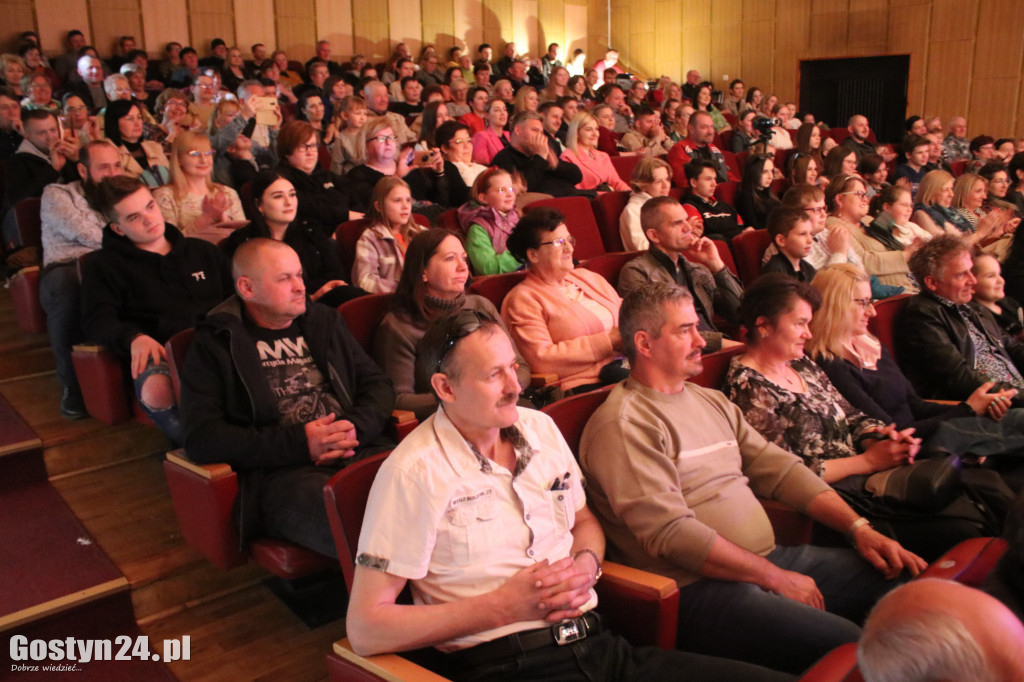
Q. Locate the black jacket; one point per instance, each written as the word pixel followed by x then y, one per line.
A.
pixel 317 252
pixel 323 201
pixel 230 413
pixel 559 181
pixel 27 175
pixel 720 219
pixel 424 185
pixel 935 351
pixel 127 291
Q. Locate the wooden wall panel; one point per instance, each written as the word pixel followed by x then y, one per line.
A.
pixel 597 39
pixel 696 14
pixel 726 41
pixel 334 23
pixel 112 19
pixel 551 27
pixel 19 15
pixel 468 18
pixel 209 19
pixel 576 23
pixel 869 25
pixel 524 28
pixel 758 55
pixel 994 112
pixel 955 19
pixel 667 41
pixel 296 28
pixel 54 19
pixel 758 10
pixel 642 58
pixel 828 35
pixel 914 43
pixel 622 23
pixel 165 22
pixel 946 93
pixel 497 24
pixel 792 26
pixel 1001 33
pixel 370 26
pixel 438 18
pixel 404 25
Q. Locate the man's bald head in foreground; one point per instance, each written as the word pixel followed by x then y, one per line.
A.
pixel 268 280
pixel 932 630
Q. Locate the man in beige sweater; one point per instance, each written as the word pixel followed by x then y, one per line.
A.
pixel 672 471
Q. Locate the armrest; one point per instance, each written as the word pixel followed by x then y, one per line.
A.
pixel 405 421
pixel 791 527
pixel 207 471
pixel 944 402
pixel 651 584
pixel 25 271
pixel 542 380
pixel 104 388
pixel 24 286
pixel 391 667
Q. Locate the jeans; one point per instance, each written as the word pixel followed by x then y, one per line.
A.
pixel 292 506
pixel 609 658
pixel 167 419
pixel 981 436
pixel 60 298
pixel 745 622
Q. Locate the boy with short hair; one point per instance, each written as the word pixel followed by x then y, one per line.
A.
pixel 792 233
pixel 917 148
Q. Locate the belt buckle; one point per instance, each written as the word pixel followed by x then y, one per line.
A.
pixel 569 631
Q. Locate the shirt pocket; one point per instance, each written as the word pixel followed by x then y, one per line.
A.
pixel 562 513
pixel 471 528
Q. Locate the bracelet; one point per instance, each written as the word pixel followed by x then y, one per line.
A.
pixel 597 561
pixel 855 525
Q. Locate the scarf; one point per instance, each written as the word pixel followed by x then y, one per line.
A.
pixel 498 227
pixel 863 350
pixel 880 230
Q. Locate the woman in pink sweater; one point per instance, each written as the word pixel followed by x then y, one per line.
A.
pixel 563 320
pixel 598 171
pixel 494 137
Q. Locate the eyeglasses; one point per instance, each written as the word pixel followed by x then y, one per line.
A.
pixel 77 109
pixel 865 303
pixel 176 103
pixel 462 325
pixel 132 119
pixel 384 139
pixel 561 242
pixel 816 209
pixel 860 194
pixel 461 142
pixel 196 154
pixel 999 181
pixel 310 147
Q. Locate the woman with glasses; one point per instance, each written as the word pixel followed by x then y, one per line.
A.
pixel 786 397
pixel 172 109
pixel 432 286
pixel 323 201
pixel 934 210
pixel 140 157
pixel 192 201
pixel 998 178
pixel 563 319
pixel 277 206
pixel 455 140
pixel 423 171
pixel 78 124
pixel 38 93
pixel 881 253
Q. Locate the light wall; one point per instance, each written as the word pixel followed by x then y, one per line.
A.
pixel 966 56
pixel 370 27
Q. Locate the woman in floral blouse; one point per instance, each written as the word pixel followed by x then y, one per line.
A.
pixel 791 402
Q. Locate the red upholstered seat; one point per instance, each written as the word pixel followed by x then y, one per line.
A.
pixel 726 191
pixel 733 163
pixel 495 287
pixel 28 222
pixel 969 562
pixel 572 414
pixel 881 325
pixel 839 665
pixel 25 297
pixel 958 168
pixel 749 247
pixel 346 235
pixel 610 264
pixel 449 220
pixel 579 218
pixel 607 209
pixel 363 315
pixel 624 166
pixel 715 366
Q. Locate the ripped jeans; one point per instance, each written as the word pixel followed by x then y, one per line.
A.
pixel 166 418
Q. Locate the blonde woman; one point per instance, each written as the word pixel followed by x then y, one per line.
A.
pixel 596 166
pixel 935 213
pixel 192 201
pixel 526 99
pixel 651 178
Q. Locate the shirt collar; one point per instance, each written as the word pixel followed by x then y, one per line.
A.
pixel 464 456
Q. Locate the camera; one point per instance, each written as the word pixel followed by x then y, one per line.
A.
pixel 764 125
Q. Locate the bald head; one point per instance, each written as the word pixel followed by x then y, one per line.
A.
pixel 268 280
pixel 940 630
pixel 252 256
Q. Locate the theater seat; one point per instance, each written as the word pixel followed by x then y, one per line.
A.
pixel 495 287
pixel 624 166
pixel 749 247
pixel 105 389
pixel 839 665
pixel 449 220
pixel 607 209
pixel 640 606
pixel 25 297
pixel 886 312
pixel 610 264
pixel 969 562
pixel 579 218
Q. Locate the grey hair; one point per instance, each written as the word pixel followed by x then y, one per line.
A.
pixel 644 310
pixel 927 645
pixel 931 258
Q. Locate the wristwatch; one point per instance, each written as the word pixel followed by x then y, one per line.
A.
pixel 597 561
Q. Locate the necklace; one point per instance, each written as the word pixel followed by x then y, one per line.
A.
pixel 787 377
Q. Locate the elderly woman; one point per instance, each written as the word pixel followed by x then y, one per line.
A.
pixel 581 150
pixel 136 76
pixel 564 320
pixel 423 171
pixel 651 178
pixel 172 109
pixel 79 125
pixel 39 93
pixel 12 68
pixel 277 218
pixel 882 253
pixel 494 137
pixel 192 201
pixel 432 286
pixel 323 202
pixel 140 157
pixel 792 403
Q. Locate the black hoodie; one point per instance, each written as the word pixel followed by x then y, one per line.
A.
pixel 127 291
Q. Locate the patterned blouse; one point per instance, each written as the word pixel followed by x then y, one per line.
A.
pixel 818 424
